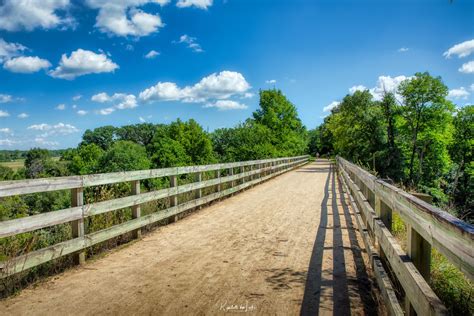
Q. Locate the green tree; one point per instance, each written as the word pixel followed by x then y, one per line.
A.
pixel 279 115
pixel 425 127
pixel 462 153
pixel 102 136
pixel 85 159
pixel 139 133
pixel 124 156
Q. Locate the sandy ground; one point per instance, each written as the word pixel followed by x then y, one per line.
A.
pixel 286 247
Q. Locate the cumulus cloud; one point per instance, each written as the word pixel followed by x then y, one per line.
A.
pixel 357 88
pixel 61 107
pixel 5 130
pixel 23 115
pixel 152 54
pixel 403 49
pixel 77 97
pixel 26 65
pixel 4 113
pixel 221 85
pixel 271 81
pixel 27 15
pixel 106 111
pixel 82 62
pixel 44 142
pixel 467 68
pixel 5 98
pixel 463 49
pixel 82 112
pixel 460 93
pixel 331 106
pixel 9 50
pixel 123 18
pixel 57 129
pixel 121 101
pixel 224 105
pixel 201 4
pixel 191 42
pixel 7 142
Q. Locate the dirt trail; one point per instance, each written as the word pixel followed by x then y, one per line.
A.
pixel 285 247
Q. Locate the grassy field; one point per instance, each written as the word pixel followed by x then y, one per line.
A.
pixel 17 164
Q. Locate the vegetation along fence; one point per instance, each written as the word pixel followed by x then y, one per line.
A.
pixel 427 226
pixel 238 176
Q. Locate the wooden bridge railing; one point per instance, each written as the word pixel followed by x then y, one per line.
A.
pixel 427 226
pixel 249 173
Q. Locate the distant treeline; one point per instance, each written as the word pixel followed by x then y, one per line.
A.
pixel 10 155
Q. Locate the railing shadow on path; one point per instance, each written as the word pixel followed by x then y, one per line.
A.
pixel 315 283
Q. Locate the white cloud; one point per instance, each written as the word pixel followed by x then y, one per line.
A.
pixel 272 81
pixel 357 88
pixel 82 62
pixel 331 106
pixel 7 142
pixel 61 107
pixel 9 50
pixel 141 119
pixel 386 84
pixel 460 93
pixel 57 129
pixel 467 68
pixel 152 54
pixel 472 87
pixel 4 113
pixel 5 130
pixel 74 106
pixel 27 15
pixel 224 105
pixel 403 49
pixel 106 111
pixel 247 95
pixel 122 101
pixel 5 98
pixel 44 142
pixel 77 97
pixel 23 115
pixel 201 4
pixel 26 65
pixel 100 97
pixel 221 85
pixel 463 49
pixel 191 42
pixel 122 18
pixel 81 112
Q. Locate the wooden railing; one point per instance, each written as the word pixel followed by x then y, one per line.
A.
pixel 239 175
pixel 427 226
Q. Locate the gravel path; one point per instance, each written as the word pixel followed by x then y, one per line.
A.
pixel 285 247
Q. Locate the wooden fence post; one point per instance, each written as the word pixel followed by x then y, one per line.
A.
pixel 174 198
pixel 419 251
pixel 231 173
pixel 198 178
pixel 136 209
pixel 77 199
pixel 218 176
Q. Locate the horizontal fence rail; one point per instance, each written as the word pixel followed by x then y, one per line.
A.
pixel 258 171
pixel 427 226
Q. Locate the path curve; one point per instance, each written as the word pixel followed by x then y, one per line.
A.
pixel 285 247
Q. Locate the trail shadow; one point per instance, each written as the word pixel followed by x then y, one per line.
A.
pixel 312 290
pixel 314 281
pixel 283 279
pixel 364 285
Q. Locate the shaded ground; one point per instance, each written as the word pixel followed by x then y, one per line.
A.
pixel 285 247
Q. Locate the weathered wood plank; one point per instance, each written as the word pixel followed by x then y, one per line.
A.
pixel 422 297
pixel 136 209
pixel 17 187
pixel 78 231
pixel 32 259
pixel 451 236
pixel 383 280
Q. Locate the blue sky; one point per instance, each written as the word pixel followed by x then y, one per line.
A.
pixel 67 66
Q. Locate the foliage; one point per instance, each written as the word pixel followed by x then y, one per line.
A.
pixel 124 156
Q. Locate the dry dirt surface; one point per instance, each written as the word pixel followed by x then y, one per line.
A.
pixel 288 246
